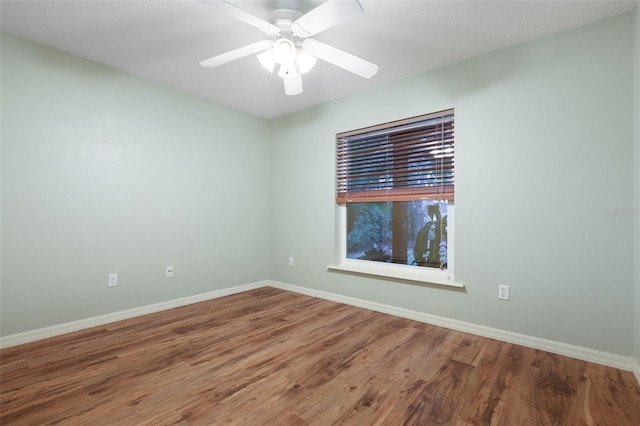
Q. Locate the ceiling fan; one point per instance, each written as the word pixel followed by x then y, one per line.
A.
pixel 288 46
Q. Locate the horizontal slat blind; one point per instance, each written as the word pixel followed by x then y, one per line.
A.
pixel 406 160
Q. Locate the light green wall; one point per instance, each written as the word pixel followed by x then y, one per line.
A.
pixel 103 172
pixel 544 145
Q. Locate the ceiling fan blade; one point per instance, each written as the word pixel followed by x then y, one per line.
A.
pixel 241 15
pixel 237 53
pixel 340 58
pixel 327 15
pixel 293 86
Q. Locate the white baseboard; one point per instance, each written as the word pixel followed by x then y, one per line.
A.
pixel 578 352
pixel 56 330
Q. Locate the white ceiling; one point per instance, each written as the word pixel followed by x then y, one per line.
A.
pixel 164 41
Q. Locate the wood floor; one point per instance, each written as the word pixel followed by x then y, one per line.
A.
pixel 270 357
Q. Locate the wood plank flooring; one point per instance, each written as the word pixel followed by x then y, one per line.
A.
pixel 271 357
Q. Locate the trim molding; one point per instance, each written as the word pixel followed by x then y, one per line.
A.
pixel 572 351
pixel 578 352
pixel 56 330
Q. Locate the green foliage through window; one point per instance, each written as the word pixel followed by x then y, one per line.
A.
pixel 405 232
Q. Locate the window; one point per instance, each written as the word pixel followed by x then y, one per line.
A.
pixel 403 232
pixel 395 191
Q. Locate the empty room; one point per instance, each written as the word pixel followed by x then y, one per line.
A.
pixel 318 212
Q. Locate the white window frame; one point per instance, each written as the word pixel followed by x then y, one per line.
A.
pixel 395 271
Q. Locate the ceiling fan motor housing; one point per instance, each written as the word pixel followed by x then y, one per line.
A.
pixel 283 18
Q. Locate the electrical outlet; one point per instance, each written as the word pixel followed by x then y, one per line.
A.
pixel 113 280
pixel 291 261
pixel 169 272
pixel 503 292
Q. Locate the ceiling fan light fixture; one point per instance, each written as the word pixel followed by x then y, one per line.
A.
pixel 288 70
pixel 284 51
pixel 267 60
pixel 305 61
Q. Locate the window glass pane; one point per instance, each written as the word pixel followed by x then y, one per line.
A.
pixel 404 232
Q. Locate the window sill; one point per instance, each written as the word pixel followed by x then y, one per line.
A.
pixel 397 272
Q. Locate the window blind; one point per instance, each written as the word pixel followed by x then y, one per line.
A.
pixel 404 160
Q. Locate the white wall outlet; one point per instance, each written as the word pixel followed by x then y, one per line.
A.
pixel 169 272
pixel 290 260
pixel 113 280
pixel 503 292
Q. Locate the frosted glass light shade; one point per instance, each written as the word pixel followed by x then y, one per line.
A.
pixel 267 60
pixel 305 61
pixel 284 51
